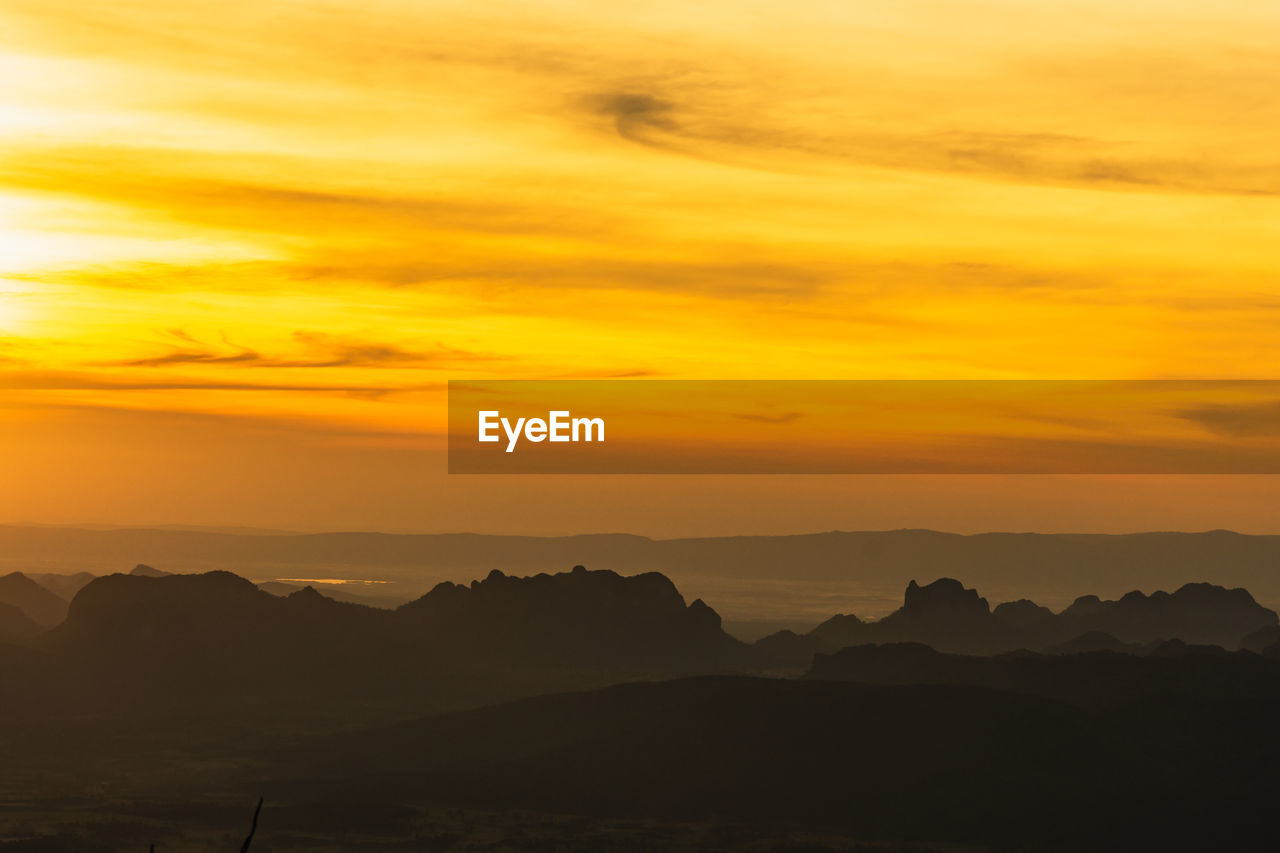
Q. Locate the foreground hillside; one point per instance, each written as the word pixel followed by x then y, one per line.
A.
pixel 918 763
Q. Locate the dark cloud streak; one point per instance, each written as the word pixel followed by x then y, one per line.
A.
pixel 1041 158
pixel 1250 420
pixel 323 351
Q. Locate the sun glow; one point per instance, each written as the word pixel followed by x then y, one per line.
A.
pixel 280 230
pixel 12 309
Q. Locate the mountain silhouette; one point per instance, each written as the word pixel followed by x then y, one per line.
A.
pixel 65 586
pixel 1196 613
pixel 15 625
pixel 1093 641
pixel 599 618
pixel 217 634
pixel 455 701
pixel 337 592
pixel 943 614
pixel 1264 641
pixel 947 616
pixel 39 604
pixel 144 571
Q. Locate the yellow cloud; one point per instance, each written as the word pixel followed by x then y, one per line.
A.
pixel 899 189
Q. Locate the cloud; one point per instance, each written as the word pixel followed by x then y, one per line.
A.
pixel 320 350
pixel 180 185
pixel 759 97
pixel 1241 420
pixel 337 351
pixel 635 115
pixel 703 126
pixel 292 427
pixel 58 380
pixel 189 356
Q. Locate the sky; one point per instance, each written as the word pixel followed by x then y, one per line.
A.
pixel 244 244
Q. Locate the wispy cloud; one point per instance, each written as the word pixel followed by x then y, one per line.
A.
pixel 637 116
pixel 180 185
pixel 59 380
pixel 1246 420
pixel 319 350
pixel 706 130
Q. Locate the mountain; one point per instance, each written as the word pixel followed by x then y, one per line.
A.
pixel 144 571
pixel 1047 567
pixel 15 625
pixel 600 619
pixel 922 763
pixel 322 705
pixel 216 635
pixel 1264 641
pixel 39 604
pixel 1090 679
pixel 944 614
pixel 1196 613
pixel 950 617
pixel 334 591
pixel 1093 641
pixel 65 586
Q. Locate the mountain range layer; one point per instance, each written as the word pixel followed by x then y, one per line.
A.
pixel 1151 728
pixel 161 640
pixel 1045 567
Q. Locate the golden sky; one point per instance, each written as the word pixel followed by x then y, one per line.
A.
pixel 243 244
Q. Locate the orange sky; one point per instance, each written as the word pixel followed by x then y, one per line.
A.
pixel 244 244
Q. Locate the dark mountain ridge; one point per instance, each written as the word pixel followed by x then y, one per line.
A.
pixel 1171 749
pixel 65 586
pixel 217 634
pixel 191 637
pixel 15 625
pixel 39 604
pixel 946 616
pixel 596 617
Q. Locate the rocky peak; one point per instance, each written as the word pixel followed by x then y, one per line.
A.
pixel 945 596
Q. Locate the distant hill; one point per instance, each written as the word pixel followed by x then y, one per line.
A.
pixel 1055 567
pixel 602 619
pixel 920 763
pixel 218 635
pixel 15 625
pixel 949 617
pixel 65 586
pixel 39 604
pixel 144 571
pixel 338 592
pixel 1264 641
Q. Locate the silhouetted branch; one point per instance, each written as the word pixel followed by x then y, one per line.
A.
pixel 253 828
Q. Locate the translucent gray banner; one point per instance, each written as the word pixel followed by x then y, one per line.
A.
pixel 864 427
